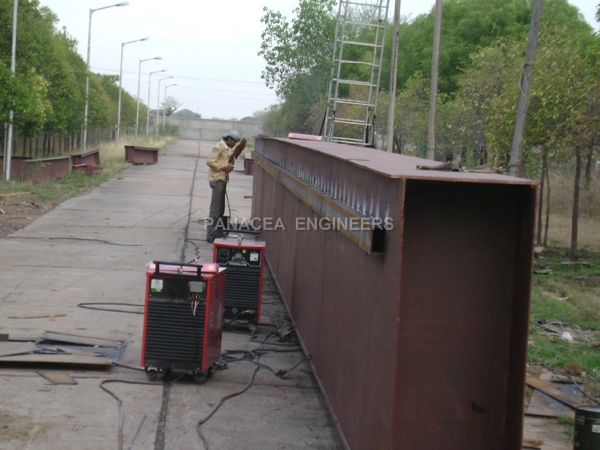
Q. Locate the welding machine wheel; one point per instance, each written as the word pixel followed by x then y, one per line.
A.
pixel 151 374
pixel 200 377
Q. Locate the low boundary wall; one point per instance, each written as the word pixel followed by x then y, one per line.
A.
pixel 212 130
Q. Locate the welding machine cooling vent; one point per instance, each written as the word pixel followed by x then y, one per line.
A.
pixel 244 261
pixel 183 318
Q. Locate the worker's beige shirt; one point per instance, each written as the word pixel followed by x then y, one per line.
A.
pixel 218 159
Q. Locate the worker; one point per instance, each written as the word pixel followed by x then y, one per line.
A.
pixel 220 163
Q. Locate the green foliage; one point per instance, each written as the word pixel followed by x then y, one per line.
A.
pixel 274 121
pixel 186 113
pixel 298 57
pixel 412 113
pixel 169 130
pixel 467 25
pixel 47 92
pixel 564 98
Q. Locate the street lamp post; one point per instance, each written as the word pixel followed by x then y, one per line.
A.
pixel 13 60
pixel 87 76
pixel 149 81
pixel 120 88
pixel 137 111
pixel 165 99
pixel 158 103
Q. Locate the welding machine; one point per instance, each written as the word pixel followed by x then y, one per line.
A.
pixel 244 260
pixel 183 318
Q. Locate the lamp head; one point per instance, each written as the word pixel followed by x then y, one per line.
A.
pixel 122 4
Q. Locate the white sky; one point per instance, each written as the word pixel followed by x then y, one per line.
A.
pixel 209 47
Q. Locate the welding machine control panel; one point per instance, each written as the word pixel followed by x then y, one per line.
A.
pixel 177 289
pixel 239 257
pixel 197 286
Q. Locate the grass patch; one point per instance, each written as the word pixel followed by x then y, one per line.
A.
pixel 566 300
pixel 569 423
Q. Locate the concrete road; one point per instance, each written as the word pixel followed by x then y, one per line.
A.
pixel 93 249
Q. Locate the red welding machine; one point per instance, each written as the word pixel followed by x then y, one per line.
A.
pixel 244 260
pixel 183 318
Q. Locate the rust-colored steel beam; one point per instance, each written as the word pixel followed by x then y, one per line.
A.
pixel 423 343
pixel 141 155
pixel 90 157
pixel 46 168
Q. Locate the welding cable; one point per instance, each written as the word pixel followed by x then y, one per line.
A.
pixel 89 306
pixel 254 339
pixel 233 320
pixel 197 325
pixel 140 369
pixel 218 405
pixel 279 374
pixel 262 324
pixel 116 364
pixel 256 363
pixel 137 432
pixel 595 400
pixel 247 354
pixel 119 403
pixel 296 348
pixel 226 357
pixel 177 378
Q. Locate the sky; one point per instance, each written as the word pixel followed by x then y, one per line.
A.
pixel 209 47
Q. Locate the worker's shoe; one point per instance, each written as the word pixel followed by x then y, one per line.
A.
pixel 210 240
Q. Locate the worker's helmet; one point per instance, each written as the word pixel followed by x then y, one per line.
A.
pixel 232 134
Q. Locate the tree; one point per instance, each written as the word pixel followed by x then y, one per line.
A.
pixel 259 115
pixel 274 121
pixel 298 58
pixel 186 113
pixel 563 118
pixel 411 116
pixel 170 105
pixel 47 92
pixel 469 26
pixel 26 92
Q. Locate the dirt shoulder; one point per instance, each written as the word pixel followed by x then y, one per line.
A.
pixel 17 210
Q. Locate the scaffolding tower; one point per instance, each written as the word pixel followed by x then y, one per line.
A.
pixel 354 84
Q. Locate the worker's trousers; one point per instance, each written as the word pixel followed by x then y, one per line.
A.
pixel 216 224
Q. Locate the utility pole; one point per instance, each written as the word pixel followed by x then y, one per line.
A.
pixel 526 78
pixel 13 60
pixel 394 74
pixel 435 69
